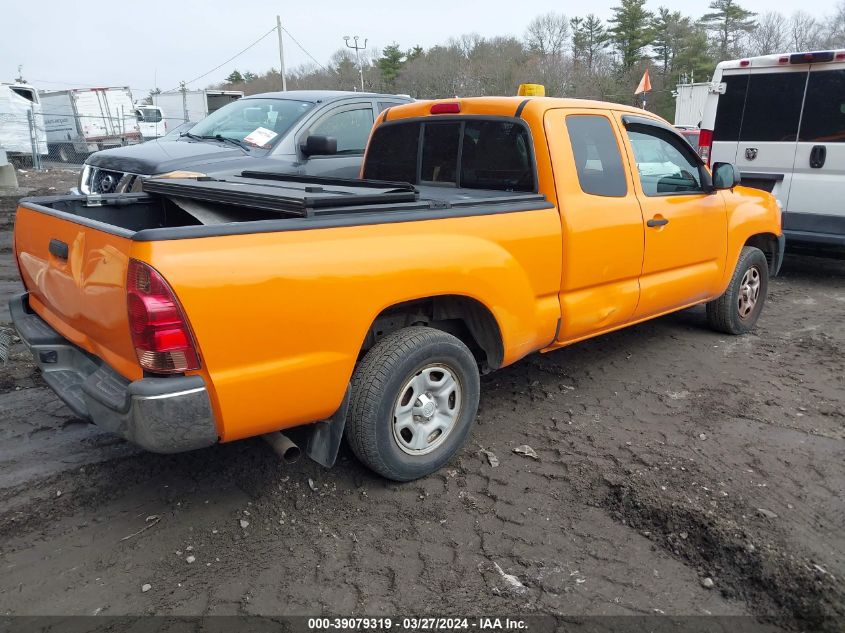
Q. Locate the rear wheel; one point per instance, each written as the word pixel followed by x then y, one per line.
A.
pixel 737 311
pixel 66 153
pixel 414 399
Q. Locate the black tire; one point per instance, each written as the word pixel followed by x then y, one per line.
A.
pixel 723 314
pixel 378 383
pixel 65 153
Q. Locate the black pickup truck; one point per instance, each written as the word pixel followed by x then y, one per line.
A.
pixel 305 132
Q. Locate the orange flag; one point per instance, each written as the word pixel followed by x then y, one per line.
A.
pixel 645 84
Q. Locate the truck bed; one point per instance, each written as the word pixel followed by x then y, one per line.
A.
pixel 260 202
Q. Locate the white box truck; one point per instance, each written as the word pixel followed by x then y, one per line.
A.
pixel 81 121
pixel 193 105
pixel 18 104
pixel 689 103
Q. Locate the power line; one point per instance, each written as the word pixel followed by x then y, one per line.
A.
pixel 302 48
pixel 227 61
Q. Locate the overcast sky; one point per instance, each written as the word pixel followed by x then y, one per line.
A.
pixel 66 43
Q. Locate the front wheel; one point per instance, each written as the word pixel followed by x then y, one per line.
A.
pixel 737 311
pixel 414 399
pixel 66 153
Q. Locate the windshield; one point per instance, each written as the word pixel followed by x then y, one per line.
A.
pixel 257 122
pixel 178 131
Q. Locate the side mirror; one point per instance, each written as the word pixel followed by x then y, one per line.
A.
pixel 319 145
pixel 725 176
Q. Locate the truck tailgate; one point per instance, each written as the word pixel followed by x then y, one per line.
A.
pixel 76 278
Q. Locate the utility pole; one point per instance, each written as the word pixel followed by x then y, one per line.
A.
pixel 357 55
pixel 184 91
pixel 281 53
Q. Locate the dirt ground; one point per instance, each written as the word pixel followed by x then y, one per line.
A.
pixel 666 455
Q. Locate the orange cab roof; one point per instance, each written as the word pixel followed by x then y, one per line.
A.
pixel 506 106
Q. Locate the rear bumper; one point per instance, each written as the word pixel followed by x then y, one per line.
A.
pixel 163 415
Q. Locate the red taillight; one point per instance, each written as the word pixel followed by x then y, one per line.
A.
pixel 783 60
pixel 745 62
pixel 446 108
pixel 840 56
pixel 160 332
pixel 705 143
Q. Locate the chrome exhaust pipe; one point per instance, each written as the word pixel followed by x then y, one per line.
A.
pixel 283 447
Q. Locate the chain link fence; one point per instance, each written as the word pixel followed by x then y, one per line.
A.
pixel 42 140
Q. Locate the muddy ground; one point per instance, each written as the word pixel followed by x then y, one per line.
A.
pixel 666 455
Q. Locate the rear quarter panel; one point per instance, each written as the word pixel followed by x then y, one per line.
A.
pixel 280 317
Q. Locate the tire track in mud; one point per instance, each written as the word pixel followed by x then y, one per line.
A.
pixel 772 578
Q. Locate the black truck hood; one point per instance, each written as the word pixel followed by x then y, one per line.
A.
pixel 158 157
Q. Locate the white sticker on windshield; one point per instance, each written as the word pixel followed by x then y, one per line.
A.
pixel 260 136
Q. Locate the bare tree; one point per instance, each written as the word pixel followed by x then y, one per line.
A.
pixel 771 36
pixel 805 32
pixel 547 39
pixel 835 31
pixel 547 35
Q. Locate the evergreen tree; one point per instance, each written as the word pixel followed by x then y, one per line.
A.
pixel 414 53
pixel 589 38
pixel 235 77
pixel 692 60
pixel 666 27
pixel 595 37
pixel 728 22
pixel 630 31
pixel 576 24
pixel 390 63
pixel 249 76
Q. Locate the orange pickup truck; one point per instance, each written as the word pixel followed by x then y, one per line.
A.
pixel 483 230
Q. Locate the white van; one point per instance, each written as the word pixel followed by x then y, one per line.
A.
pixel 151 121
pixel 781 120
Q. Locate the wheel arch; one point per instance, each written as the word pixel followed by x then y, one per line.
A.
pixel 463 316
pixel 768 243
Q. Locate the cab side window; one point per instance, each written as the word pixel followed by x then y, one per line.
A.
pixel 351 128
pixel 666 163
pixel 597 158
pixel 824 108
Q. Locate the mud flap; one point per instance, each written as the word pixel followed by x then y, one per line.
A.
pixel 325 438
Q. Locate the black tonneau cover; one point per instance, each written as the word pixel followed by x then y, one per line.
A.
pixel 294 196
pixel 287 194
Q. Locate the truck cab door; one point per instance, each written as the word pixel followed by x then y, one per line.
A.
pixel 601 221
pixel 350 125
pixel 685 226
pixel 815 208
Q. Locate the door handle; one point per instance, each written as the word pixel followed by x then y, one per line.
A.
pixel 58 249
pixel 818 155
pixel 657 222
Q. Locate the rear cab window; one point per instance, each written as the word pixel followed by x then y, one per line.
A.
pixel 470 153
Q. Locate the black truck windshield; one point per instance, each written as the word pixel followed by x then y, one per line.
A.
pixel 253 122
pixel 468 153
